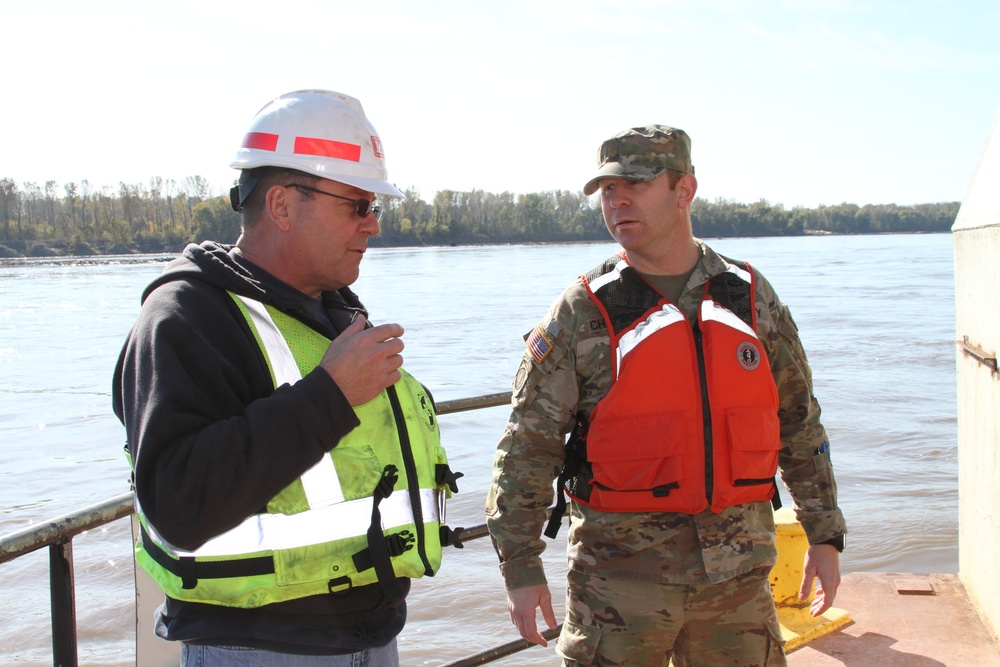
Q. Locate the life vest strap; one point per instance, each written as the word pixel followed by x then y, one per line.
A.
pixel 776 498
pixel 395 544
pixel 189 570
pixel 378 547
pixel 575 457
pixel 753 482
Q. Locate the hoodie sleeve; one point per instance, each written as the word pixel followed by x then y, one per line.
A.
pixel 211 439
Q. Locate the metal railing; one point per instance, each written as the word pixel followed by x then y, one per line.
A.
pixel 57 534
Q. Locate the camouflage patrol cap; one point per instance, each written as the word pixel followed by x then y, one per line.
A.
pixel 642 154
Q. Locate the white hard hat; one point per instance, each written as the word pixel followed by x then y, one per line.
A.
pixel 319 132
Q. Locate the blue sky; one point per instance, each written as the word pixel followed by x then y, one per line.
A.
pixel 798 102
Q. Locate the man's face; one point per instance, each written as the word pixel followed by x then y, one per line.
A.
pixel 642 217
pixel 331 237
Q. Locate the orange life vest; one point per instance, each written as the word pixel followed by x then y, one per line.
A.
pixel 691 419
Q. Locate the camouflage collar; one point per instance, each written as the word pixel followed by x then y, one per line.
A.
pixel 711 265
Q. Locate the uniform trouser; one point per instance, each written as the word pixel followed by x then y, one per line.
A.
pixel 613 622
pixel 237 656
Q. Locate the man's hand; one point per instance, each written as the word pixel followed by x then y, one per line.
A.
pixel 363 362
pixel 822 562
pixel 522 603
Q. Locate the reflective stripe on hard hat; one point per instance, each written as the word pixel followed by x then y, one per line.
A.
pixel 327 148
pixel 319 132
pixel 260 140
pixel 305 146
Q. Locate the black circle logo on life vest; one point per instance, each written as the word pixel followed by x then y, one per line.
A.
pixel 748 355
pixel 428 407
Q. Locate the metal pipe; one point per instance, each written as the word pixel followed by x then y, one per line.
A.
pixel 474 403
pixel 64 527
pixel 502 651
pixel 473 533
pixel 63 601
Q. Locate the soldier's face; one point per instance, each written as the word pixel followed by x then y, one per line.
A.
pixel 643 217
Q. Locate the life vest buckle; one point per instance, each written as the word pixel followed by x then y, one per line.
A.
pixel 443 474
pixel 386 483
pixel 451 537
pixel 400 542
pixel 664 490
pixel 339 585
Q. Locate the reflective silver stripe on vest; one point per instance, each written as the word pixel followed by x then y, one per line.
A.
pixel 710 310
pixel 661 319
pixel 741 273
pixel 274 532
pixel 609 277
pixel 320 483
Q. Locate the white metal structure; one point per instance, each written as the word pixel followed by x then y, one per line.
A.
pixel 976 240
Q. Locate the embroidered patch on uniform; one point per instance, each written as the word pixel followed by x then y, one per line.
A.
pixel 597 324
pixel 748 355
pixel 522 375
pixel 538 344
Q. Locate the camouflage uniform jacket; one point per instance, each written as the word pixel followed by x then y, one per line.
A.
pixel 656 547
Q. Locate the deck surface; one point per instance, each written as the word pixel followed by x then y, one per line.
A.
pixel 903 620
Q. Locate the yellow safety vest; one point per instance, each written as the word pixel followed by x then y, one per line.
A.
pixel 370 511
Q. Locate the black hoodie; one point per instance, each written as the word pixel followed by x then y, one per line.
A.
pixel 212 441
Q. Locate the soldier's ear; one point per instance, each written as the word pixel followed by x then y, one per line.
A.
pixel 687 188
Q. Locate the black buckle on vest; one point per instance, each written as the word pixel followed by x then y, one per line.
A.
pixel 664 490
pixel 377 554
pixel 386 483
pixel 399 542
pixel 395 545
pixel 443 475
pixel 451 537
pixel 339 585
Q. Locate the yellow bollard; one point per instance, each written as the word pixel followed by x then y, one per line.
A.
pixel 798 626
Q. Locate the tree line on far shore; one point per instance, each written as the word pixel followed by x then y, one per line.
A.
pixel 163 215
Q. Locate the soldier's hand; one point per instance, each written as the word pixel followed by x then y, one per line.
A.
pixel 363 362
pixel 822 562
pixel 522 603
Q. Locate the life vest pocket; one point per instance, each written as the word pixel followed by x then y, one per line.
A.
pixel 755 437
pixel 358 469
pixel 639 452
pixel 318 562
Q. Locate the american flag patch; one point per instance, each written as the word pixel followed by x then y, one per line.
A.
pixel 538 345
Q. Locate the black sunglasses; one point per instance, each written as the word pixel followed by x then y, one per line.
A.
pixel 362 206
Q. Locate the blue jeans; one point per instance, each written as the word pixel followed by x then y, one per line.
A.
pixel 237 656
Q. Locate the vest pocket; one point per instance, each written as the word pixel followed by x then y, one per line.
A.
pixel 358 469
pixel 318 563
pixel 639 452
pixel 755 439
